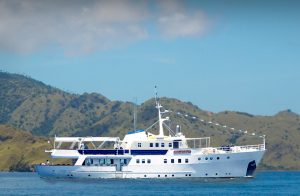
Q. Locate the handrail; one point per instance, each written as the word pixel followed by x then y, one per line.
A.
pixel 236 148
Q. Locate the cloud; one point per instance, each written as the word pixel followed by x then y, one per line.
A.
pixel 182 25
pixel 88 26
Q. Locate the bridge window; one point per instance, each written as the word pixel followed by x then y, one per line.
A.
pixel 179 160
pixel 162 144
pixel 170 144
pixel 151 144
pixel 186 160
pixel 172 160
pixel 148 160
pixel 138 161
pixel 139 145
pixel 156 144
pixel 143 161
pixel 165 161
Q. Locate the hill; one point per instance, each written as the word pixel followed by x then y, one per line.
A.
pixel 42 110
pixel 20 149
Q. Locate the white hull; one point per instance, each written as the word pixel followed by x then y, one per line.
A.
pixel 234 166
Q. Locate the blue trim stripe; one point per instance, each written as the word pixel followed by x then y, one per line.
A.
pixel 122 152
pixel 104 152
pixel 149 152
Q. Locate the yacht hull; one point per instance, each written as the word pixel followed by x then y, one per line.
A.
pixel 211 165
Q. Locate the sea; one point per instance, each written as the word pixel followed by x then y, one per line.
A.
pixel 264 183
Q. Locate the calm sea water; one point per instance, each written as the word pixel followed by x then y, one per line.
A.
pixel 265 183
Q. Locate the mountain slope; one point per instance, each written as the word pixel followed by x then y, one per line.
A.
pixel 46 111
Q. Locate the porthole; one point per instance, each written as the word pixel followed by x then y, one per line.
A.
pixel 190 174
pixel 216 174
pixel 218 158
pixel 211 158
pixel 206 174
pixel 206 158
pixel 158 175
pixel 172 175
pixel 186 175
pixel 228 157
pixel 199 159
pixel 166 175
pixel 145 176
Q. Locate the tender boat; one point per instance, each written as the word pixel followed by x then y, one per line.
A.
pixel 142 154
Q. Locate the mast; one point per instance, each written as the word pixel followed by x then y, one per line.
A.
pixel 160 119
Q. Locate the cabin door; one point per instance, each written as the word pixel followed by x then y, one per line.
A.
pixel 175 144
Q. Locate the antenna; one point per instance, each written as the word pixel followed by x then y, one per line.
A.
pixel 156 97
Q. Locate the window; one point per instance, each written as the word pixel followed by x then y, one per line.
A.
pixel 156 144
pixel 112 161
pixel 125 161
pixel 179 160
pixel 92 161
pixel 162 144
pixel 148 160
pixel 139 145
pixel 151 144
pixel 170 144
pixel 143 161
pixel 172 160
pixel 165 161
pixel 138 161
pixel 186 160
pixel 108 161
pixel 101 161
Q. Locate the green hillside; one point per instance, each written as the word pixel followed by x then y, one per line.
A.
pixel 45 111
pixel 19 150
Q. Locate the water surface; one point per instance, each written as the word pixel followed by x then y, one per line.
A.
pixel 265 183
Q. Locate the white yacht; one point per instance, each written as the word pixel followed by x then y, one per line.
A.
pixel 142 154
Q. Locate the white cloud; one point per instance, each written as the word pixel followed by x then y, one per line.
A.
pixel 178 20
pixel 87 26
pixel 182 25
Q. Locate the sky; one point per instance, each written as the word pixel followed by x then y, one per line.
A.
pixel 220 55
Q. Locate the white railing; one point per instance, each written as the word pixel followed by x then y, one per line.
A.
pixel 254 147
pixel 233 149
